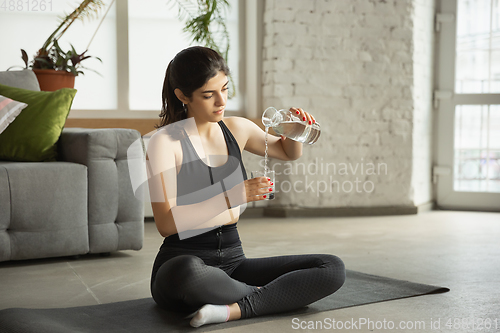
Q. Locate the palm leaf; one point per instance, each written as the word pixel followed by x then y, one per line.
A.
pixel 206 25
pixel 185 8
pixel 202 16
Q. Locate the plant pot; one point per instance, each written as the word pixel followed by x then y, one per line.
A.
pixel 52 80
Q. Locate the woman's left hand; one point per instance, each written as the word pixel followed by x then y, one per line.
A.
pixel 301 114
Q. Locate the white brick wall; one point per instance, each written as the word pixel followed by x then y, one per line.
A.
pixel 363 69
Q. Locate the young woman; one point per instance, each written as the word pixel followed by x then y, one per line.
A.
pixel 201 266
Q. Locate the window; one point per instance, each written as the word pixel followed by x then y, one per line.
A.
pixel 467 99
pixel 21 28
pixel 155 37
pixel 477 71
pixel 135 42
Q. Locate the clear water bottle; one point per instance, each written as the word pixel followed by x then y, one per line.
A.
pixel 285 123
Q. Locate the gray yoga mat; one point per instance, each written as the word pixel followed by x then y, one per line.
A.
pixel 144 316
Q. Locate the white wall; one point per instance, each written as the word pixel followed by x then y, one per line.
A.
pixel 363 69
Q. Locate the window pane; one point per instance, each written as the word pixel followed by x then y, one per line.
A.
pixel 470 131
pixel 96 92
pixel 155 37
pixel 23 22
pixel 494 172
pixel 32 29
pixel 478 47
pixel 477 148
pixel 494 127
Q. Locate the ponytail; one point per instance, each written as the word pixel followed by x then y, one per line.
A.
pixel 172 109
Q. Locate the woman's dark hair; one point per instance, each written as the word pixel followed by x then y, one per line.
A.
pixel 189 70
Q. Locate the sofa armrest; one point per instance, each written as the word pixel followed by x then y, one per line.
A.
pixel 116 216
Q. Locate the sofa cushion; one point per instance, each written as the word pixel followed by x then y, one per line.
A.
pixel 43 210
pixel 9 110
pixel 33 135
pixel 25 79
pixel 116 216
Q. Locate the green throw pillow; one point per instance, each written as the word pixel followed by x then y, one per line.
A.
pixel 33 135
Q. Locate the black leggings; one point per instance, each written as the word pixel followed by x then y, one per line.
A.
pixel 193 278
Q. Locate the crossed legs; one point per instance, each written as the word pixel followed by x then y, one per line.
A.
pixel 186 283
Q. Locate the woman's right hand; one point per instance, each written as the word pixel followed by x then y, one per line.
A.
pixel 254 189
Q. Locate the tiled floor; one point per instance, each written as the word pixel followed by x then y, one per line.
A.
pixel 458 250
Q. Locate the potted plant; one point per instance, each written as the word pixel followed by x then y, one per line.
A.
pixel 54 67
pixel 58 69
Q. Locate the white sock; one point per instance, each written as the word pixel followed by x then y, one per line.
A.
pixel 210 314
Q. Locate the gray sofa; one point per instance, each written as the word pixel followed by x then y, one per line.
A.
pixel 83 203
